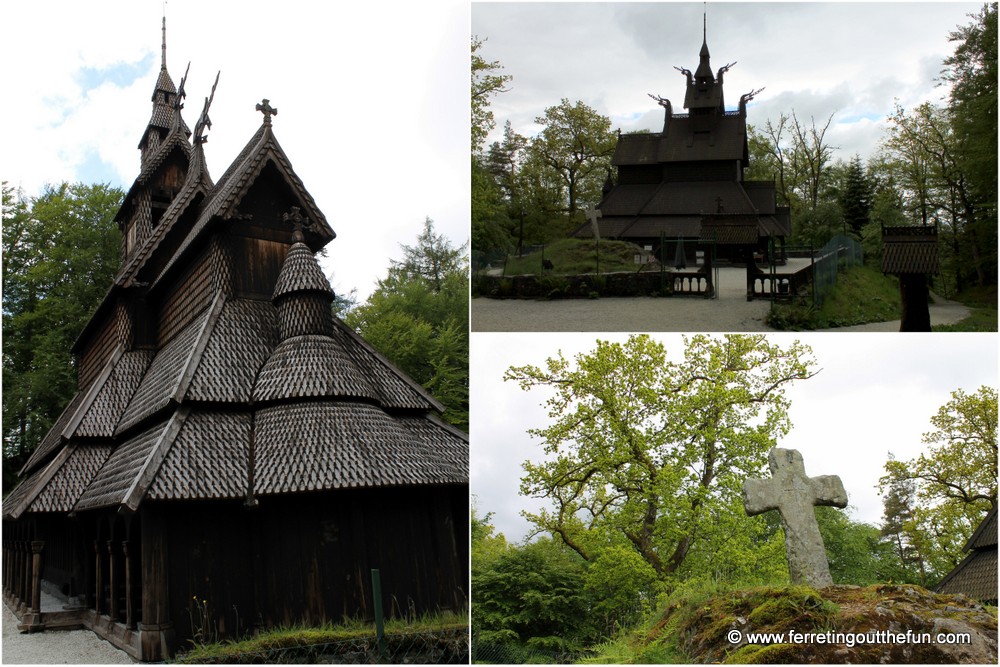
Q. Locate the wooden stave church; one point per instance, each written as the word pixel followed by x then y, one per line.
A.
pixel 234 452
pixel 685 186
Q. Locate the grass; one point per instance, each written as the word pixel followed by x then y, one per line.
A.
pixel 577 256
pixel 862 295
pixel 310 639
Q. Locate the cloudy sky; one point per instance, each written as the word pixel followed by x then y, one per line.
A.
pixel 875 393
pixel 851 60
pixel 373 104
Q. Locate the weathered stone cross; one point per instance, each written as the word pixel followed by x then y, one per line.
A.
pixel 593 214
pixel 793 494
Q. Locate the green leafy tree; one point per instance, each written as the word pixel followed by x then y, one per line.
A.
pixel 954 482
pixel 574 149
pixel 650 450
pixel 60 252
pixel 418 317
pixel 486 83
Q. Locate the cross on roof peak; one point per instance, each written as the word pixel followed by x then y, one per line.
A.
pixel 265 108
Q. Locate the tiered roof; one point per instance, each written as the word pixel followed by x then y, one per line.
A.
pixel 249 398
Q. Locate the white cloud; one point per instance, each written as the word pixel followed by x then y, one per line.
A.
pixel 370 101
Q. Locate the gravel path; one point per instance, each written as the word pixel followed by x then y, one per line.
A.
pixel 56 647
pixel 730 312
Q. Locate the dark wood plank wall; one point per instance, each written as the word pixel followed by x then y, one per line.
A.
pixel 192 294
pixel 309 557
pixel 97 352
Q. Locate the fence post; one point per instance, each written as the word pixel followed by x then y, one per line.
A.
pixel 379 620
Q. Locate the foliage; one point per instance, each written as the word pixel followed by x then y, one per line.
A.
pixel 650 450
pixel 972 71
pixel 954 482
pixel 485 84
pixel 491 223
pixel 418 317
pixel 487 545
pixel 533 595
pixel 856 552
pixel 623 587
pixel 60 251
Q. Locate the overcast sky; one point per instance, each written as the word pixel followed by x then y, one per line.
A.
pixel 373 104
pixel 875 393
pixel 851 60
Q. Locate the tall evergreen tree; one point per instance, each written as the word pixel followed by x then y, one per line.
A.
pixel 856 196
pixel 418 317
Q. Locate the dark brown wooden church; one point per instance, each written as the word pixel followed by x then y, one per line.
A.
pixel 234 451
pixel 685 186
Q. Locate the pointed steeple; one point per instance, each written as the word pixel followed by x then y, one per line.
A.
pixel 165 99
pixel 704 71
pixel 704 89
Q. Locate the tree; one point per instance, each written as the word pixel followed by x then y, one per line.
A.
pixel 485 84
pixel 574 147
pixel 898 524
pixel 810 157
pixel 972 71
pixel 418 317
pixel 60 251
pixel 955 482
pixel 651 451
pixel 856 196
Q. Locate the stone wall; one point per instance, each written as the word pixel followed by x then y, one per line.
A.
pixel 578 286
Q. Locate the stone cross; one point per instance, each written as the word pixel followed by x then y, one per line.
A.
pixel 265 108
pixel 593 214
pixel 794 494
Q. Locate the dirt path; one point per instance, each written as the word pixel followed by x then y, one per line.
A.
pixel 731 312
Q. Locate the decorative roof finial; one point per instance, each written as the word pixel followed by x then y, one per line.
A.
pixel 181 93
pixel 265 108
pixel 163 46
pixel 204 121
pixel 299 221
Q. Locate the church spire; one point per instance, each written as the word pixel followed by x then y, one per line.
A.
pixel 704 71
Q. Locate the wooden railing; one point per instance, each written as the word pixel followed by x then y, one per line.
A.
pixel 692 283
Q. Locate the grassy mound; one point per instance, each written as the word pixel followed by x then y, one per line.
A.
pixel 577 256
pixel 442 639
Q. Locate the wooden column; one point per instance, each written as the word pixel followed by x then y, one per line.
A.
pixel 98 593
pixel 156 632
pixel 25 574
pixel 112 583
pixel 32 620
pixel 129 611
pixel 6 567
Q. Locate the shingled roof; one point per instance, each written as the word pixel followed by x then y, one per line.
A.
pixel 976 575
pixel 284 378
pixel 909 249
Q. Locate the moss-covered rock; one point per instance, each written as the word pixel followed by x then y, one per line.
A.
pixel 837 624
